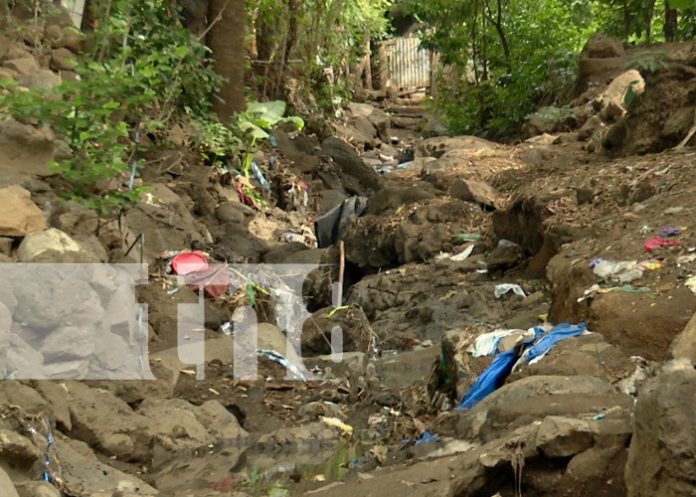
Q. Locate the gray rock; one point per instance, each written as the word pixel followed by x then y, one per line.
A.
pixel 37 489
pixel 24 66
pixel 317 331
pixel 26 149
pixel 564 437
pixel 52 245
pixel 531 399
pixel 167 221
pixel 64 37
pixel 661 455
pixel 7 488
pixel 18 451
pixel 62 59
pixel 68 343
pixel 684 346
pixel 48 297
pixel 478 192
pixel 590 127
pixel 19 216
pixel 17 393
pixel 85 476
pixel 174 425
pixel 678 123
pixel 351 164
pixel 44 79
pixel 107 423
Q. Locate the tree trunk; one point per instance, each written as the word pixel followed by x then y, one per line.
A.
pixel 226 41
pixel 670 23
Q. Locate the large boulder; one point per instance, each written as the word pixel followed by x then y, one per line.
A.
pixel 26 149
pixel 351 166
pixel 663 447
pixel 83 475
pixel 478 192
pixel 7 488
pixel 178 425
pixel 531 399
pixel 109 424
pixel 684 346
pixel 167 222
pixel 586 355
pixel 355 330
pixel 19 216
pixel 52 245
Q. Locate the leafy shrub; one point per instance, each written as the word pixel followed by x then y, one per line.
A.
pixel 144 72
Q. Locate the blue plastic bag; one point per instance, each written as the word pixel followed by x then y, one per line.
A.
pixel 551 338
pixel 489 380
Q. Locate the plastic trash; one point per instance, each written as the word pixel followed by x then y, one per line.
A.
pixel 328 227
pixel 279 359
pixel 489 343
pixel 686 259
pixel 464 254
pixel 621 271
pixel 189 262
pixel 467 237
pixel 258 176
pixel 291 237
pixel 549 339
pixel 489 380
pixel 691 284
pixel 427 437
pixel 658 241
pixel 337 423
pixel 669 231
pixel 505 288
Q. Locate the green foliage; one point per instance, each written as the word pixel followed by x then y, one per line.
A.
pixel 648 62
pixel 504 58
pixel 261 117
pixel 682 4
pixel 144 72
pixel 315 42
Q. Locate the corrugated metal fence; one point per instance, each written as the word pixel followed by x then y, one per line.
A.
pixel 408 65
pixel 76 8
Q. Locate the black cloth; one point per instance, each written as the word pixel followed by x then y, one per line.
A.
pixel 328 227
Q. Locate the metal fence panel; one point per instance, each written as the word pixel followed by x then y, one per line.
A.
pixel 76 9
pixel 409 66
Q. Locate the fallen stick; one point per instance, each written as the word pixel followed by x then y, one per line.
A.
pixel 689 135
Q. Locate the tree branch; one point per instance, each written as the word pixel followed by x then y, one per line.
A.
pixel 217 19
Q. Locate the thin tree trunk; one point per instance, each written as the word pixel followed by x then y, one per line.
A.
pixel 497 22
pixel 670 28
pixel 650 14
pixel 226 42
pixel 368 63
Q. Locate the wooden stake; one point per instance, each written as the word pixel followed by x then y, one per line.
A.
pixel 341 272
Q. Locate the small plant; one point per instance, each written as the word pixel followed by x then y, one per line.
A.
pixel 145 72
pixel 648 62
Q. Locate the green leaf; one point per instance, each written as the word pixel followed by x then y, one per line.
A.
pixel 251 293
pixel 682 4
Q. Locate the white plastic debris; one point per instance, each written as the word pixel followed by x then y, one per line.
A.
pixel 505 288
pixel 691 284
pixel 620 271
pixel 487 343
pixel 464 254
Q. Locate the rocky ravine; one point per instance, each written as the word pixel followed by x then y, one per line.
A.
pixel 607 413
